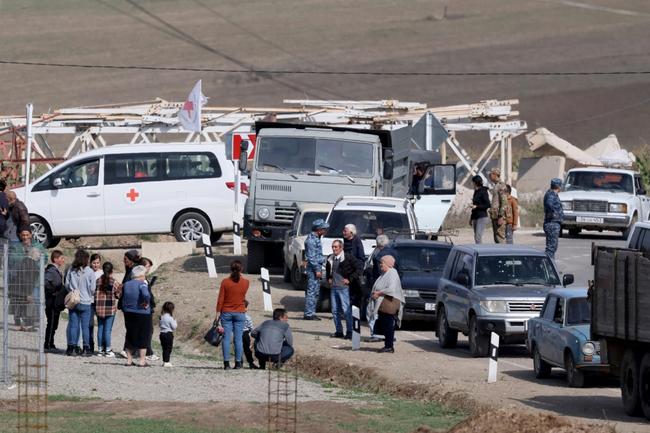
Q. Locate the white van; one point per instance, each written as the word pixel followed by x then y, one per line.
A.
pixel 185 189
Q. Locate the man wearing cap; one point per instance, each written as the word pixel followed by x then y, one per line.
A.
pixel 315 260
pixel 498 207
pixel 553 214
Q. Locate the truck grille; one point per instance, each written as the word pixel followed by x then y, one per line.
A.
pixel 428 296
pixel 589 206
pixel 275 187
pixel 524 306
pixel 284 213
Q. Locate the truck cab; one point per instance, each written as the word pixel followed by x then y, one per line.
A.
pixel 597 198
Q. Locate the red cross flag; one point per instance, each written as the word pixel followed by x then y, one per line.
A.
pixel 190 113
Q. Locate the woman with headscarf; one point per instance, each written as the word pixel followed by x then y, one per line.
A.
pixel 387 303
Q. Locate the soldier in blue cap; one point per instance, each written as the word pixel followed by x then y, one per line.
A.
pixel 315 260
pixel 553 214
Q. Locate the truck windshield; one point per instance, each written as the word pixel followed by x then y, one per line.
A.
pixel 578 311
pixel 315 156
pixel 422 259
pixel 369 224
pixel 515 270
pixel 598 180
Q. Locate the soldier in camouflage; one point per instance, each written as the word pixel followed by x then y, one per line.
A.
pixel 553 214
pixel 315 261
pixel 499 206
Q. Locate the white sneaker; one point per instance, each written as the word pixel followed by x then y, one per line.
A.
pixel 153 357
pixel 167 364
pixel 101 353
pixel 123 354
pixel 109 354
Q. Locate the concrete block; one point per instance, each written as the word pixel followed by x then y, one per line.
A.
pixel 163 252
pixel 535 174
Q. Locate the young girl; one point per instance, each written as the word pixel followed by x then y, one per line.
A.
pixel 167 328
pixel 106 307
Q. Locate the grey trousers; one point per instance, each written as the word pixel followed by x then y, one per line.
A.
pixel 479 227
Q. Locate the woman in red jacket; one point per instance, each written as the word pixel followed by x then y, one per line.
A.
pixel 232 312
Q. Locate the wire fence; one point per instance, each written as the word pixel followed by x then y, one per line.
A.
pixel 22 315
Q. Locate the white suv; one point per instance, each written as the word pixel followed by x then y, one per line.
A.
pixel 597 198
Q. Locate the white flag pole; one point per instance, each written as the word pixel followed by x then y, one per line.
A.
pixel 236 227
pixel 28 150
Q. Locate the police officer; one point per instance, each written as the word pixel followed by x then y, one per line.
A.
pixel 498 207
pixel 315 260
pixel 553 214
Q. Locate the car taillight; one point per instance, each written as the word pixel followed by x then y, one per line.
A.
pixel 242 187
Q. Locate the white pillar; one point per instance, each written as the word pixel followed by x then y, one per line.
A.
pixel 28 151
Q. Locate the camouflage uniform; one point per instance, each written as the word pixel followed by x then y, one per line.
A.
pixel 315 260
pixel 498 210
pixel 553 214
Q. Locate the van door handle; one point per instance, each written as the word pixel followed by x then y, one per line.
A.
pixel 93 194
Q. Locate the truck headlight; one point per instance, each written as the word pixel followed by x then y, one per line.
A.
pixel 588 349
pixel 495 306
pixel 618 208
pixel 411 293
pixel 264 213
pixel 567 205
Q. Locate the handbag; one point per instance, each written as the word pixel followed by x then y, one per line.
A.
pixel 72 299
pixel 389 305
pixel 213 336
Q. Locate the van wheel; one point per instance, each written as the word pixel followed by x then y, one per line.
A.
pixel 255 258
pixel 630 383
pixel 478 344
pixel 447 337
pixel 297 279
pixel 41 232
pixel 190 226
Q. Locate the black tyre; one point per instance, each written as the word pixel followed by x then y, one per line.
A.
pixel 41 232
pixel 574 232
pixel 447 337
pixel 215 237
pixel 190 226
pixel 255 259
pixel 630 383
pixel 629 228
pixel 297 278
pixel 479 346
pixel 541 367
pixel 574 377
pixel 644 385
pixel 286 277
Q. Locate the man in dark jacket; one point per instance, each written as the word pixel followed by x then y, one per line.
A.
pixel 553 214
pixel 341 271
pixel 353 246
pixel 54 297
pixel 480 205
pixel 18 212
pixel 4 207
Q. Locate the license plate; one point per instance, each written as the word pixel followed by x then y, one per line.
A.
pixel 594 220
pixel 430 306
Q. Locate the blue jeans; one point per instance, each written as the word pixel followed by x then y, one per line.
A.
pixel 312 294
pixel 104 329
pixel 233 323
pixel 341 308
pixel 79 318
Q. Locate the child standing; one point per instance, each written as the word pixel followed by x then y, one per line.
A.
pixel 105 307
pixel 167 328
pixel 246 338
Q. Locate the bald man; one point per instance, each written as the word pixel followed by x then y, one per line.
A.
pixel 18 213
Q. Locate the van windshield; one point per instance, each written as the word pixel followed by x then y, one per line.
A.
pixel 598 180
pixel 304 155
pixel 369 224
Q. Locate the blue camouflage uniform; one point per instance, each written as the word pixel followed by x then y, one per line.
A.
pixel 315 260
pixel 553 214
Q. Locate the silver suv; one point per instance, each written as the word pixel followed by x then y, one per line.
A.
pixel 492 288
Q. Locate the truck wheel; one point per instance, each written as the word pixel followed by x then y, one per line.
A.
pixel 629 228
pixel 297 278
pixel 644 386
pixel 190 226
pixel 541 367
pixel 478 344
pixel 630 383
pixel 41 232
pixel 574 377
pixel 255 258
pixel 447 337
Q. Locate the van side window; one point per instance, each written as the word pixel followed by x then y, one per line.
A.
pixel 134 168
pixel 83 173
pixel 192 165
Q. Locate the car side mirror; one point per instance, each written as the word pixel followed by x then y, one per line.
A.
pixel 57 182
pixel 388 164
pixel 567 279
pixel 243 155
pixel 463 279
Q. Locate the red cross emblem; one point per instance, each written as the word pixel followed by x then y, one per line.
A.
pixel 132 195
pixel 189 107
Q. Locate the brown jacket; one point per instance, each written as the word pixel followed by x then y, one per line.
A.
pixel 20 216
pixel 512 217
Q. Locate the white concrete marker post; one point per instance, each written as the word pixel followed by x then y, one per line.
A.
pixel 266 288
pixel 236 224
pixel 494 353
pixel 209 257
pixel 356 328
